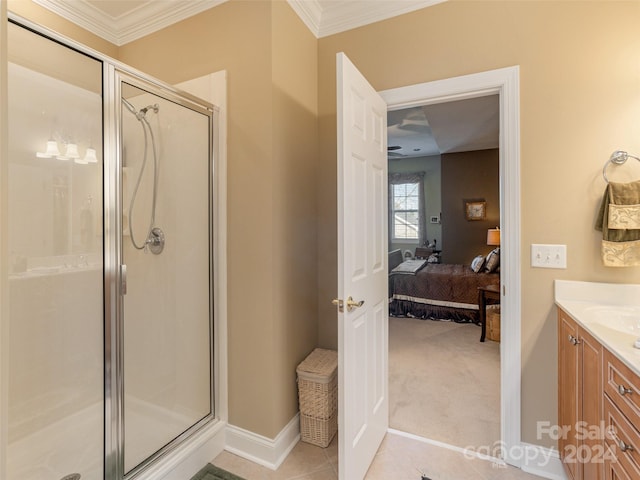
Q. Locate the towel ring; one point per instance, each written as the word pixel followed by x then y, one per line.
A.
pixel 618 157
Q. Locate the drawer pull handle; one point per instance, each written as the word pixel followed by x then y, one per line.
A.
pixel 625 447
pixel 573 340
pixel 624 390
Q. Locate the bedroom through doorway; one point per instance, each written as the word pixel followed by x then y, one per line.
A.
pixel 444 211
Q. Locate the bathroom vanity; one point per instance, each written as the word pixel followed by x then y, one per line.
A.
pixel 598 380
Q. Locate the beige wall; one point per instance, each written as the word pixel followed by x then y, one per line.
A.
pixel 35 13
pixel 580 100
pixel 468 176
pixel 295 165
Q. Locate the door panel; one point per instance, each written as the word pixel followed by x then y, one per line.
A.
pixel 54 230
pixel 362 245
pixel 166 310
pixel 568 384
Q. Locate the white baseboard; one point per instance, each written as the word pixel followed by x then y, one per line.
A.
pixel 265 451
pixel 464 451
pixel 541 461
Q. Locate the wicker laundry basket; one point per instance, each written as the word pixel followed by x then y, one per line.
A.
pixel 493 324
pixel 318 397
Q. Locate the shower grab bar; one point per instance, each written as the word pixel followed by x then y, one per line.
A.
pixel 618 158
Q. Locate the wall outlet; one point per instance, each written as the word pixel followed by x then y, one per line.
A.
pixel 548 256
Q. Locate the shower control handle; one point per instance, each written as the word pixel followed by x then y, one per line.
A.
pixel 123 279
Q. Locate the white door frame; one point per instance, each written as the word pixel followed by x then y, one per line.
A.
pixel 506 83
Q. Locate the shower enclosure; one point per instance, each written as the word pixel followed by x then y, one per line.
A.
pixel 111 273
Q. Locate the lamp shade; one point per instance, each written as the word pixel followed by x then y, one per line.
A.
pixel 51 151
pixel 493 236
pixel 70 152
pixel 90 156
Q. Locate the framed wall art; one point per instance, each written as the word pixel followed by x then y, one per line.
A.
pixel 475 209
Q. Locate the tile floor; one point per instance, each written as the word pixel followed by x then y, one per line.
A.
pixel 399 458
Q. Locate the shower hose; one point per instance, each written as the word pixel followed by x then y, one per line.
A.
pixel 148 133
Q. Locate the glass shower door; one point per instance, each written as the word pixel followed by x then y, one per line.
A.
pixel 166 247
pixel 55 236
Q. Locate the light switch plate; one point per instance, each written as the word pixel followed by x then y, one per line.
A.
pixel 548 256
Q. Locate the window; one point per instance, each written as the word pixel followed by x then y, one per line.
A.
pixel 406 215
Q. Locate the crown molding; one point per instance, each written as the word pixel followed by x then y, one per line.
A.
pixel 326 18
pixel 136 23
pixel 322 17
pixel 310 12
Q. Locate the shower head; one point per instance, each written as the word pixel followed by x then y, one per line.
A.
pixel 155 107
pixel 140 114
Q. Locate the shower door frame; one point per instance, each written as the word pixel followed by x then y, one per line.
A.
pixel 114 76
pixel 112 72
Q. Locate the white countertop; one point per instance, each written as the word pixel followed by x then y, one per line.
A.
pixel 609 312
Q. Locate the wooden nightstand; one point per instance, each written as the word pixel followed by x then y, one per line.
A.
pixel 490 292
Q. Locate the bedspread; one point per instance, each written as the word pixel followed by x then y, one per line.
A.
pixel 439 291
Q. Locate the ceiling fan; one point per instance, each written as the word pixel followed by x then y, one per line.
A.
pixel 392 154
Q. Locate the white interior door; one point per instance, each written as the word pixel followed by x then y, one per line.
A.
pixel 362 271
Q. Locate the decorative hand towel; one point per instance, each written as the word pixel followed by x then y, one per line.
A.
pixel 619 221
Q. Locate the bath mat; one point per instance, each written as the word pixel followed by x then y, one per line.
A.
pixel 211 472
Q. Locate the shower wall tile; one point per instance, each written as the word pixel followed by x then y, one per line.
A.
pixel 56 355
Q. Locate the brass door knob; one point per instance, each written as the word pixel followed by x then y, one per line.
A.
pixel 352 304
pixel 338 303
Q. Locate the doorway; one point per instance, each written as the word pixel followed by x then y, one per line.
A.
pixel 444 384
pixel 505 83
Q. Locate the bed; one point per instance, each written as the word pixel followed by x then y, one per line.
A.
pixel 438 291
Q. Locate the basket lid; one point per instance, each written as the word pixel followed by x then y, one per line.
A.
pixel 319 362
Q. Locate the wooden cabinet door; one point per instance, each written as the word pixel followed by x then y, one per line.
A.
pixel 614 471
pixel 590 411
pixel 568 389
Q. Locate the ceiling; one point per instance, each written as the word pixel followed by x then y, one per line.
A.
pixel 459 126
pixel 462 125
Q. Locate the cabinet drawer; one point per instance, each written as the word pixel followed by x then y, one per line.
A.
pixel 613 471
pixel 620 430
pixel 622 386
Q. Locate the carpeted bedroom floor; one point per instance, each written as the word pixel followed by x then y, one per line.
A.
pixel 443 383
